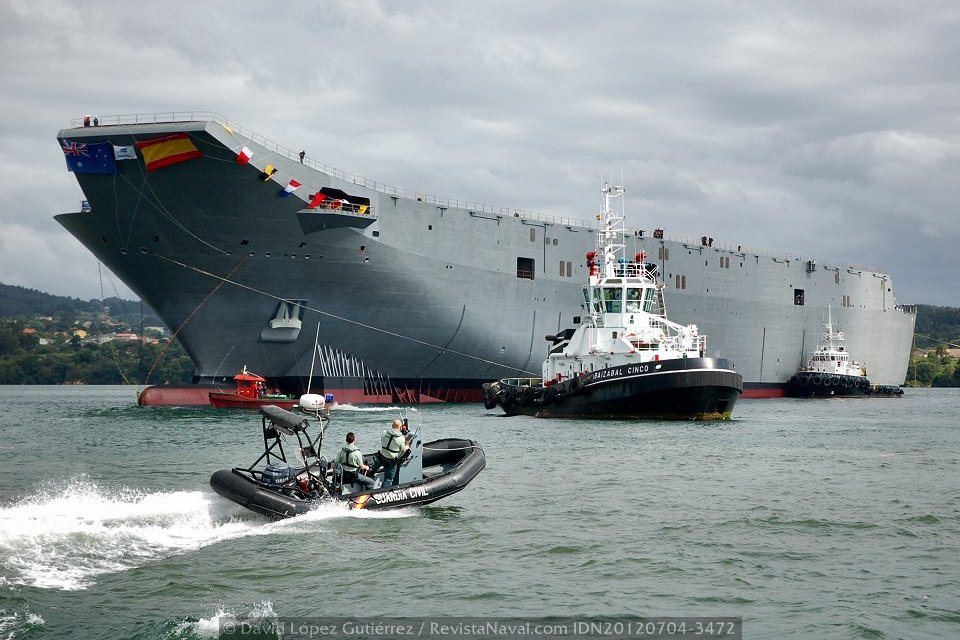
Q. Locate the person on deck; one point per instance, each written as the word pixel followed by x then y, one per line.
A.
pixel 351 464
pixel 392 446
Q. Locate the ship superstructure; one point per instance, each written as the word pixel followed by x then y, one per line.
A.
pixel 625 358
pixel 419 297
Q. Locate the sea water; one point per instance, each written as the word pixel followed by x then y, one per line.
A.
pixel 808 518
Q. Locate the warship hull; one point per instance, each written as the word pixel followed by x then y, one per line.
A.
pixel 404 289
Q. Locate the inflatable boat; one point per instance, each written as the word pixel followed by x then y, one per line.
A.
pixel 285 482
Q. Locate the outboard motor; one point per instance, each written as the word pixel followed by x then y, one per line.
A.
pixel 277 474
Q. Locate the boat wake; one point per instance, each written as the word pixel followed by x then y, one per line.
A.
pixel 64 539
pixel 370 409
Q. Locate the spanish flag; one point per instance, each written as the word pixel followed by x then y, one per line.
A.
pixel 163 152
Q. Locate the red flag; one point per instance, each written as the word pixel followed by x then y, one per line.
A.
pixel 316 200
pixel 292 186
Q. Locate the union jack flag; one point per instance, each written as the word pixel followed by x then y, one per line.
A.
pixel 74 149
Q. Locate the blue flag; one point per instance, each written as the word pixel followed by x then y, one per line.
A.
pixel 89 158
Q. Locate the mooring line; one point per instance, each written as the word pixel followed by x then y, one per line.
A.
pixel 227 280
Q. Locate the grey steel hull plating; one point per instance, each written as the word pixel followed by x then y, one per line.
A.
pixel 421 291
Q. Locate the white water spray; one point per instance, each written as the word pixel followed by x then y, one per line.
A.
pixel 63 540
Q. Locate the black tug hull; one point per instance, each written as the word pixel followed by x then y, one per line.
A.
pixel 813 384
pixel 465 456
pixel 682 389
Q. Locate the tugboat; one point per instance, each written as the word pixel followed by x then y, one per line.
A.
pixel 283 488
pixel 829 373
pixel 250 393
pixel 625 359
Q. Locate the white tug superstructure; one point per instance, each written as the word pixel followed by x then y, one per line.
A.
pixel 625 320
pixel 831 356
pixel 624 358
pixel 831 373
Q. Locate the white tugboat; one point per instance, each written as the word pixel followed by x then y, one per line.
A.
pixel 831 373
pixel 625 359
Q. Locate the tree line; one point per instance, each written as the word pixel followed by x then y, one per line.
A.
pixel 30 318
pixel 47 339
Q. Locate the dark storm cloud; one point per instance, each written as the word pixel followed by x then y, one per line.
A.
pixel 816 129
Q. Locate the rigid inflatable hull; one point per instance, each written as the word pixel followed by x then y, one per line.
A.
pixel 238 487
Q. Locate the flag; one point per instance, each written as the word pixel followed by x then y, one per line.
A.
pixel 124 153
pixel 244 156
pixel 292 186
pixel 166 151
pixel 268 171
pixel 94 157
pixel 229 130
pixel 363 209
pixel 316 200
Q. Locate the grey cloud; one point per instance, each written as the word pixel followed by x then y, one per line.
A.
pixel 817 129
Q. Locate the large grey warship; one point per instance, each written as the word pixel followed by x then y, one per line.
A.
pixel 242 247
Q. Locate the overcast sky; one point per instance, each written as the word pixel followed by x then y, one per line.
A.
pixel 821 129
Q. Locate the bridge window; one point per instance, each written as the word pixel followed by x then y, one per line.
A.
pixel 525 267
pixel 569 269
pixel 533 235
pixel 612 298
pixel 648 300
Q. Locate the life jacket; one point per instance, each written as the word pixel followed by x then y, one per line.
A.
pixel 387 442
pixel 343 458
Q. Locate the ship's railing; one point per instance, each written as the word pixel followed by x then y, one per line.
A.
pixel 348 207
pixel 476 207
pixel 439 201
pixel 740 250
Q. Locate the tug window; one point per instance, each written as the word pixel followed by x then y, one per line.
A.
pixel 648 300
pixel 525 267
pixel 633 300
pixel 612 300
pixel 597 300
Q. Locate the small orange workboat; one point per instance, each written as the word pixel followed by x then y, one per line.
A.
pixel 251 393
